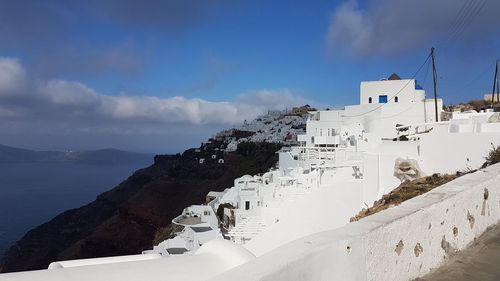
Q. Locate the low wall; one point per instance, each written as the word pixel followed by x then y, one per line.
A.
pixel 401 243
pixel 211 259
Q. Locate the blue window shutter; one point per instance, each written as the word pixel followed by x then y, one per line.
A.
pixel 382 99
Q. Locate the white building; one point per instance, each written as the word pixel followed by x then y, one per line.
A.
pixel 383 105
pixel 199 225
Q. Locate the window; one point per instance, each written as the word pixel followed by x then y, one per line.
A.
pixel 370 100
pixel 382 99
pixel 396 99
pixel 247 205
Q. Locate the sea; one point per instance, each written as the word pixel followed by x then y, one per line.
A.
pixel 34 193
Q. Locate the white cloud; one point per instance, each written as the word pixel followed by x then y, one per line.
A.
pixel 395 26
pixel 197 111
pixel 173 110
pixel 77 107
pixel 12 75
pixel 165 110
pixel 271 99
pixel 65 93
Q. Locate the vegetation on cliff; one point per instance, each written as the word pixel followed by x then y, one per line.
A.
pixel 405 191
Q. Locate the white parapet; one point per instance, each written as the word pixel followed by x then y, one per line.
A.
pixel 105 260
pixel 211 259
pixel 400 243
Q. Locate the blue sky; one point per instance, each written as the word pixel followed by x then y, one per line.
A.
pixel 161 76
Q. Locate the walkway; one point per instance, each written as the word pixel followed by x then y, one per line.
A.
pixel 479 262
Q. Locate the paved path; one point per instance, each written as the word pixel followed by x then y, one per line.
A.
pixel 479 262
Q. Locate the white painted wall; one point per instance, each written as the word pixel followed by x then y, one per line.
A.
pixel 405 90
pixel 448 153
pixel 442 221
pixel 326 208
pixel 211 259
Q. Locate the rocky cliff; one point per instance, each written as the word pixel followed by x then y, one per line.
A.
pixel 126 219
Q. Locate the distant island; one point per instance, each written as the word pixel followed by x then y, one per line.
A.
pixel 109 156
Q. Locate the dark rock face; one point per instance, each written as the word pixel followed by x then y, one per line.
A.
pixel 126 219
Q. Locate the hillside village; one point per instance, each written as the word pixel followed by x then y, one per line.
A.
pixel 279 127
pixel 252 207
pixel 198 223
pixel 275 127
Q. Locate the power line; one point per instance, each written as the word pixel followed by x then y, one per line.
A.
pixel 468 12
pixel 462 21
pixel 394 115
pixel 457 20
pixel 459 17
pixel 397 93
pixel 485 69
pixel 473 14
pixel 426 74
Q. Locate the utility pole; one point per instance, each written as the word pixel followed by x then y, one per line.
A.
pixel 495 85
pixel 434 76
pixel 498 88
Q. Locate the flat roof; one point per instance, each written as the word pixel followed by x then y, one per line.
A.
pixel 188 220
pixel 201 228
pixel 176 251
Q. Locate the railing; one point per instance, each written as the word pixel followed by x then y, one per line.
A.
pixel 317 153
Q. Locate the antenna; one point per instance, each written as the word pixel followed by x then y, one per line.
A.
pixel 434 76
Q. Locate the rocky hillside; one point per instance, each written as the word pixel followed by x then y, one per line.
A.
pixel 275 126
pixel 128 218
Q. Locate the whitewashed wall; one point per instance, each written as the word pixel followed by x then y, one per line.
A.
pixel 401 243
pixel 447 153
pixel 210 260
pixel 326 208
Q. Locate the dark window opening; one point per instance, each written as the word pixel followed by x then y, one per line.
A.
pixel 247 205
pixel 370 100
pixel 396 99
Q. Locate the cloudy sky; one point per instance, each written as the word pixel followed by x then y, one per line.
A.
pixel 161 76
